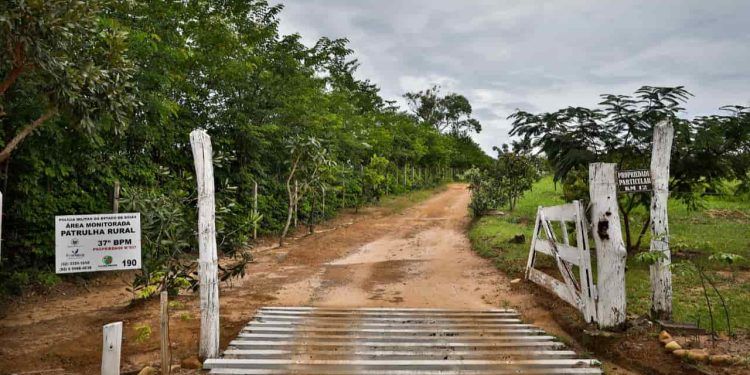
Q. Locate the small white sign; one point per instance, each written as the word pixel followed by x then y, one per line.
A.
pixel 89 243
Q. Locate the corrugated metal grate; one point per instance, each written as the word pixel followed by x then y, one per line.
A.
pixel 306 340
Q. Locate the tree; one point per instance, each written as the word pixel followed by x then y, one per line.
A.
pixel 450 113
pixel 374 178
pixel 308 161
pixel 63 61
pixel 502 182
pixel 514 172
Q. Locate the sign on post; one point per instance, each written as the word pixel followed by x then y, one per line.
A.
pixel 101 242
pixel 634 181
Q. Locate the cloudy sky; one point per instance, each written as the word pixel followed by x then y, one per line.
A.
pixel 539 55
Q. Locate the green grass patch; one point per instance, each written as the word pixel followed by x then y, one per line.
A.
pixel 721 226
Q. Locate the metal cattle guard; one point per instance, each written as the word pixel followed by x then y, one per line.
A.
pixel 581 294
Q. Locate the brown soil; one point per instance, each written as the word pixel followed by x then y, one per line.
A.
pixel 420 257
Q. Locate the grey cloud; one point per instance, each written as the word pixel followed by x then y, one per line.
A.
pixel 539 55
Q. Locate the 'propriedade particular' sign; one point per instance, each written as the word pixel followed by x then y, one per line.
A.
pixel 634 181
pixel 105 242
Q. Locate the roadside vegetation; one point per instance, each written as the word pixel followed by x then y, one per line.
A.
pixel 106 92
pixel 719 227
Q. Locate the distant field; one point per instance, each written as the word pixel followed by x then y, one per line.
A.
pixel 723 225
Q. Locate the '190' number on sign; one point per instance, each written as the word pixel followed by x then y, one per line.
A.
pixel 129 262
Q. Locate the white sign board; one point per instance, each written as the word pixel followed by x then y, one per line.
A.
pixel 102 242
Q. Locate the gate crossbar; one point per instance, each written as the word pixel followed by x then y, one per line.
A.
pixel 578 291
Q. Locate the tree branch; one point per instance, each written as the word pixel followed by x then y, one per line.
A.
pixel 25 131
pixel 19 65
pixel 11 78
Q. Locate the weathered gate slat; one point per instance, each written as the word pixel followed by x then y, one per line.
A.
pixel 580 290
pixel 394 341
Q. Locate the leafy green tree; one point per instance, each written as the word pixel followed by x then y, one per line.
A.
pixel 514 172
pixel 449 113
pixel 63 60
pixel 374 179
pixel 309 161
pixel 503 182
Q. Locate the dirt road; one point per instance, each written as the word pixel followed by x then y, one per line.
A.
pixel 418 257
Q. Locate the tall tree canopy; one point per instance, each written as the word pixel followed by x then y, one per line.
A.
pixel 450 113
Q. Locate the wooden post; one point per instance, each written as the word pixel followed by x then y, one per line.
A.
pixel 255 209
pixel 405 173
pixel 116 197
pixel 208 262
pixel 111 344
pixel 166 357
pixel 296 203
pixel 661 275
pixel 343 188
pixel 610 248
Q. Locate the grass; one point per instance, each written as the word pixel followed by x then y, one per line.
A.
pixel 721 226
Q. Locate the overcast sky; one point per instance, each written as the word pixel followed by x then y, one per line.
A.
pixel 539 55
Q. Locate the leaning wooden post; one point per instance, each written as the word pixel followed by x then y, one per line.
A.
pixel 661 275
pixel 255 209
pixel 207 263
pixel 166 356
pixel 111 344
pixel 610 248
pixel 116 198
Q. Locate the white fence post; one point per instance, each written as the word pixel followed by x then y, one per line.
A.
pixel 166 355
pixel 111 346
pixel 610 248
pixel 207 263
pixel 255 209
pixel 296 202
pixel 661 275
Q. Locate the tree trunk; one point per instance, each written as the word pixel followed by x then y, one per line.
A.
pixel 289 214
pixel 311 220
pixel 289 193
pixel 626 221
pixel 644 228
pixel 11 78
pixel 13 144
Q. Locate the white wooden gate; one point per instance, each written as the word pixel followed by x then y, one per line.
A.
pixel 577 291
